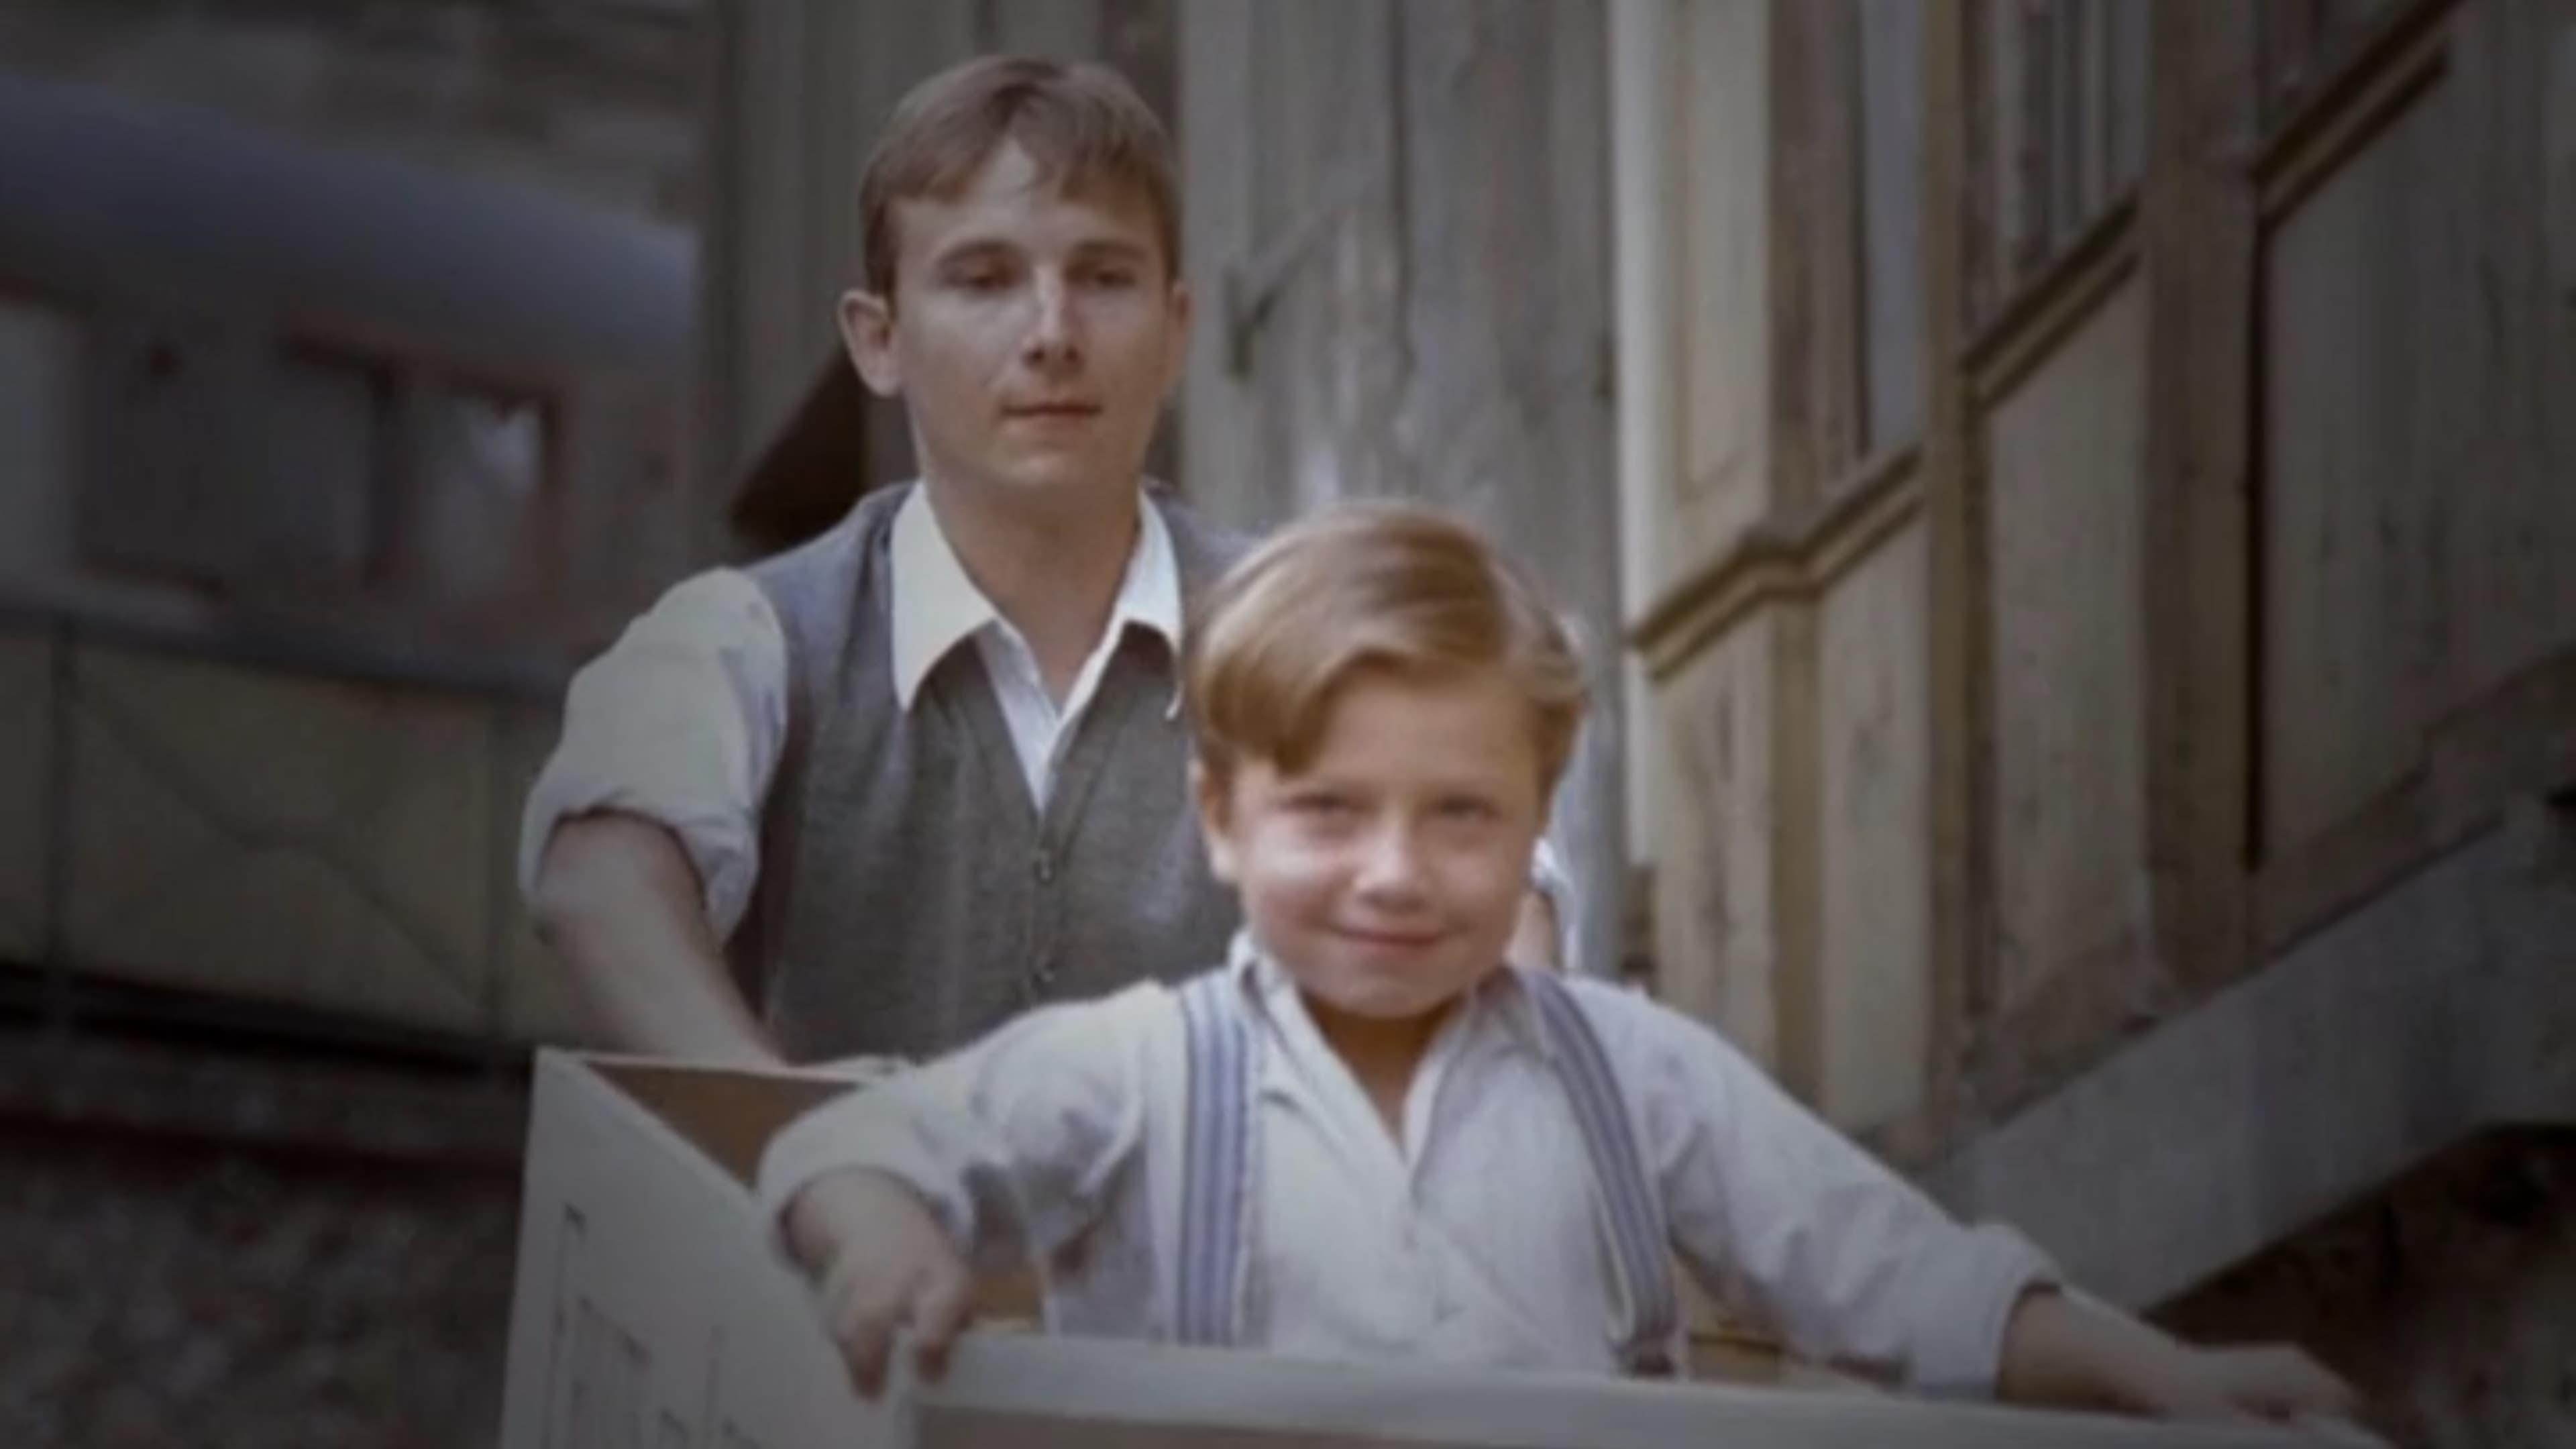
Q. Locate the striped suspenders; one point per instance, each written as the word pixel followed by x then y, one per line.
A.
pixel 1216 1181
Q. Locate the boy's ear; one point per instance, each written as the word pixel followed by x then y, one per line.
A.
pixel 1215 819
pixel 867 334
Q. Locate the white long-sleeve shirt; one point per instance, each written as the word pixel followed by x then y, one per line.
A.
pixel 1473 1240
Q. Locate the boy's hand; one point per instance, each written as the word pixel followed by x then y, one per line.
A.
pixel 2270 1383
pixel 883 1264
pixel 2067 1352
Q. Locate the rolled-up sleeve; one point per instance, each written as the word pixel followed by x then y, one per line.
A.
pixel 679 722
pixel 1851 1263
pixel 1015 1142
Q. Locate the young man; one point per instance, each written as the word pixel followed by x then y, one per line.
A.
pixel 1366 1136
pixel 873 796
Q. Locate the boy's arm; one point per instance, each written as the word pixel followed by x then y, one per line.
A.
pixel 2068 1350
pixel 1850 1263
pixel 1858 1267
pixel 1012 1144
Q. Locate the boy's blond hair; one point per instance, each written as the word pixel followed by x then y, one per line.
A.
pixel 1082 124
pixel 1368 587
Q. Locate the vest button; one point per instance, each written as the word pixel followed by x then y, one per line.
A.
pixel 1045 868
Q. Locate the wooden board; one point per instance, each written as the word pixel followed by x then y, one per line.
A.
pixel 1723 485
pixel 280 837
pixel 1399 226
pixel 2364 293
pixel 532 997
pixel 1716 943
pixel 1892 149
pixel 2065 459
pixel 40 366
pixel 1006 1390
pixel 1875 930
pixel 2557 362
pixel 26 766
pixel 2509 596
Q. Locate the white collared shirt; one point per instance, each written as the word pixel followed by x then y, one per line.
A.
pixel 937 607
pixel 681 721
pixel 1473 1241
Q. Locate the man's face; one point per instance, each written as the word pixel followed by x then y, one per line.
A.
pixel 1032 334
pixel 1386 876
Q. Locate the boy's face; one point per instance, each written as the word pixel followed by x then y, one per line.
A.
pixel 1033 334
pixel 1387 876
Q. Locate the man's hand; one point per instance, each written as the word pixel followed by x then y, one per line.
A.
pixel 882 1265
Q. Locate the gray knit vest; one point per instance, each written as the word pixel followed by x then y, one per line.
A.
pixel 910 898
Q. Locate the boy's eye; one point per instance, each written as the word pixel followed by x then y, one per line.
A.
pixel 1464 809
pixel 1320 803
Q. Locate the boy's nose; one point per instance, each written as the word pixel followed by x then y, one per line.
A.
pixel 1392 863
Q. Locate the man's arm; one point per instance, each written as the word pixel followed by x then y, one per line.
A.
pixel 618 900
pixel 641 842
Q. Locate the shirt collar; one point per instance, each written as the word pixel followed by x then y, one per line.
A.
pixel 937 607
pixel 1267 990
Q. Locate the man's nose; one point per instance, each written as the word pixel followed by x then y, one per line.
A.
pixel 1054 336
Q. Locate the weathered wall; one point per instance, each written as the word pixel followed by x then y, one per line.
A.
pixel 1397 226
pixel 1873 838
pixel 2064 450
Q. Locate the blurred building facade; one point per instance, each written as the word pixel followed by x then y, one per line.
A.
pixel 2063 498
pixel 2097 482
pixel 345 361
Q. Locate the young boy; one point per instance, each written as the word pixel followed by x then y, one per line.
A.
pixel 1362 1137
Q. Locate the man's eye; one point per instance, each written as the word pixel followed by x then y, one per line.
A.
pixel 1110 279
pixel 980 279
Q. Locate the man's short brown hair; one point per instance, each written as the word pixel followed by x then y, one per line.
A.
pixel 1359 588
pixel 1082 125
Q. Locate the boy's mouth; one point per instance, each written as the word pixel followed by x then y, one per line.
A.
pixel 1385 939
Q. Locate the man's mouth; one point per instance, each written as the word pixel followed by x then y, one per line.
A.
pixel 1053 411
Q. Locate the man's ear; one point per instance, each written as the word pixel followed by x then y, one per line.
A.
pixel 1216 819
pixel 867 334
